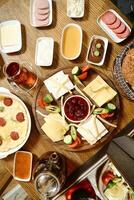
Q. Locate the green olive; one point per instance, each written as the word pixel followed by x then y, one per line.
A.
pixel 96 53
pixel 98 45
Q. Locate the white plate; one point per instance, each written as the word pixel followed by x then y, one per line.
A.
pixel 32 11
pixel 105 40
pixel 73 15
pixel 31 158
pixel 7 93
pixel 80 29
pixel 105 28
pixel 46 51
pixel 11 48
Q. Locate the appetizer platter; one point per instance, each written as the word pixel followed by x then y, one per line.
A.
pixel 72 115
pixel 124 71
pixel 15 124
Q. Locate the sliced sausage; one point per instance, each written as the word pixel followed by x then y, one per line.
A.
pixel 43 12
pixel 20 117
pixel 124 34
pixel 41 17
pixel 8 101
pixel 42 4
pixel 116 24
pixel 120 29
pixel 108 18
pixel 42 23
pixel 14 135
pixel 2 121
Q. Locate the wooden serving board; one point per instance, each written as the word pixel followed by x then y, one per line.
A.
pixel 42 91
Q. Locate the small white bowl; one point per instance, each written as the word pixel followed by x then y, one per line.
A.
pixel 105 40
pixel 14 164
pixel 32 13
pixel 62 40
pixel 73 15
pixel 107 30
pixel 11 48
pixel 47 52
pixel 77 121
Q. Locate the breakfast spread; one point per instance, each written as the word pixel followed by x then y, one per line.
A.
pixel 71 41
pixel 128 67
pixel 13 123
pixel 44 51
pixel 22 166
pixel 75 8
pixel 41 12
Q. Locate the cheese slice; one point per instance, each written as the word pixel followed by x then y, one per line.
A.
pixel 92 130
pixel 100 91
pixel 59 84
pixel 55 127
pixel 9 35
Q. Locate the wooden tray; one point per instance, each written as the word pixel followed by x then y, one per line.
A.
pixel 42 90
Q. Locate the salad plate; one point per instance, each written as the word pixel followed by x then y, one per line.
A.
pixel 49 108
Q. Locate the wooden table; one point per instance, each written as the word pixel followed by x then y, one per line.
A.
pixel 14 9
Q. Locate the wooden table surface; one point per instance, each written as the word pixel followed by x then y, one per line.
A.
pixel 14 9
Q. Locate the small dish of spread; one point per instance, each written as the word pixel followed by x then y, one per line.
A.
pixel 71 41
pixel 75 8
pixel 97 50
pixel 22 166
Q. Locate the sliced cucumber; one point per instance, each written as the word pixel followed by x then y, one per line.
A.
pixel 68 139
pixel 110 185
pixel 98 111
pixel 105 111
pixel 117 179
pixel 53 109
pixel 48 98
pixel 77 81
pixel 111 107
pixel 76 71
pixel 73 132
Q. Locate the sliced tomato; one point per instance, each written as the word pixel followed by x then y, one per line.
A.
pixel 107 177
pixel 83 76
pixel 75 143
pixel 107 115
pixel 41 102
pixel 85 68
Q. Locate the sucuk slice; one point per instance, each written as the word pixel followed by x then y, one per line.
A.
pixel 8 101
pixel 40 23
pixel 108 18
pixel 42 4
pixel 41 17
pixel 20 117
pixel 116 24
pixel 120 29
pixel 14 135
pixel 42 12
pixel 2 121
pixel 124 34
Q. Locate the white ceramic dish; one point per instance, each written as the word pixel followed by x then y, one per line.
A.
pixel 5 92
pixel 88 103
pixel 11 48
pixel 14 164
pixel 62 37
pixel 73 15
pixel 105 40
pixel 32 11
pixel 105 28
pixel 44 51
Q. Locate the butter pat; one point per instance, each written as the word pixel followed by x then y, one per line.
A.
pixel 59 84
pixel 100 91
pixel 55 127
pixel 44 51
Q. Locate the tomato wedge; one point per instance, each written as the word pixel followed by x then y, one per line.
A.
pixel 75 143
pixel 83 76
pixel 107 115
pixel 107 177
pixel 41 102
pixel 85 68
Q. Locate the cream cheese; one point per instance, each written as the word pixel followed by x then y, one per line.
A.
pixel 75 8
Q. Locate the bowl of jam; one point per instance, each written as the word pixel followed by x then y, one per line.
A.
pixel 76 108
